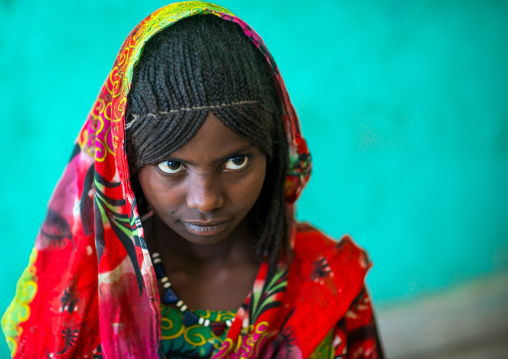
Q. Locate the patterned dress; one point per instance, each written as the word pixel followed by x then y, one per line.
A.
pixel 193 341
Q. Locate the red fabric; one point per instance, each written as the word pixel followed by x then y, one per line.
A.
pixel 323 286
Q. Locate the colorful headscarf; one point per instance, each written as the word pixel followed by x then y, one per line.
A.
pixel 90 289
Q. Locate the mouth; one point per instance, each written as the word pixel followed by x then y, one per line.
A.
pixel 206 228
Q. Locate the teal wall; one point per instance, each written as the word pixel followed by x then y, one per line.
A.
pixel 404 104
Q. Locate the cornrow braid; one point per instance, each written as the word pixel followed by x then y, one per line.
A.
pixel 201 64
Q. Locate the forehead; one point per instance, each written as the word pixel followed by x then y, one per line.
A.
pixel 212 141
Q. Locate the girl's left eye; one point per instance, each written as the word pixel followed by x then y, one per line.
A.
pixel 237 163
pixel 170 167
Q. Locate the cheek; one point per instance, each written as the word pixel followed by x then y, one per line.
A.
pixel 260 180
pixel 255 184
pixel 156 192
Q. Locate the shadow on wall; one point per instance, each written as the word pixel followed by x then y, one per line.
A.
pixel 467 322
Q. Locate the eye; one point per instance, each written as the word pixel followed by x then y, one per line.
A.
pixel 171 167
pixel 236 163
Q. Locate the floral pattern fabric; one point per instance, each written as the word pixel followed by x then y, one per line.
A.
pixel 90 290
pixel 193 341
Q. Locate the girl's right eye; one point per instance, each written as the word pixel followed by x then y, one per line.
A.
pixel 170 167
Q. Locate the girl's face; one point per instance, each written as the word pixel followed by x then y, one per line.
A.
pixel 205 189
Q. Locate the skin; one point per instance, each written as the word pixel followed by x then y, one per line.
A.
pixel 201 195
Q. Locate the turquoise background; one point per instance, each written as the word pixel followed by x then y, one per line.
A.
pixel 404 105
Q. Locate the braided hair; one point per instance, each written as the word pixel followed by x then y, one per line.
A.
pixel 201 64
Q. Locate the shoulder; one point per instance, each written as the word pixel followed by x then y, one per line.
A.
pixel 311 245
pixel 324 279
pixel 321 265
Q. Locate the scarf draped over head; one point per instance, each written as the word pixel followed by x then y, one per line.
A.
pixel 90 268
pixel 89 289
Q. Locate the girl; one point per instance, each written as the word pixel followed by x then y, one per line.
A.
pixel 171 233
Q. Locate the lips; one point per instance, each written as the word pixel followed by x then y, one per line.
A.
pixel 206 228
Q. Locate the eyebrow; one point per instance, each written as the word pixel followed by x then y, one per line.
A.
pixel 238 152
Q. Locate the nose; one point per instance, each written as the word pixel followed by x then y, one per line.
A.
pixel 205 193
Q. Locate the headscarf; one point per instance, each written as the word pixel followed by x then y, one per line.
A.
pixel 90 289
